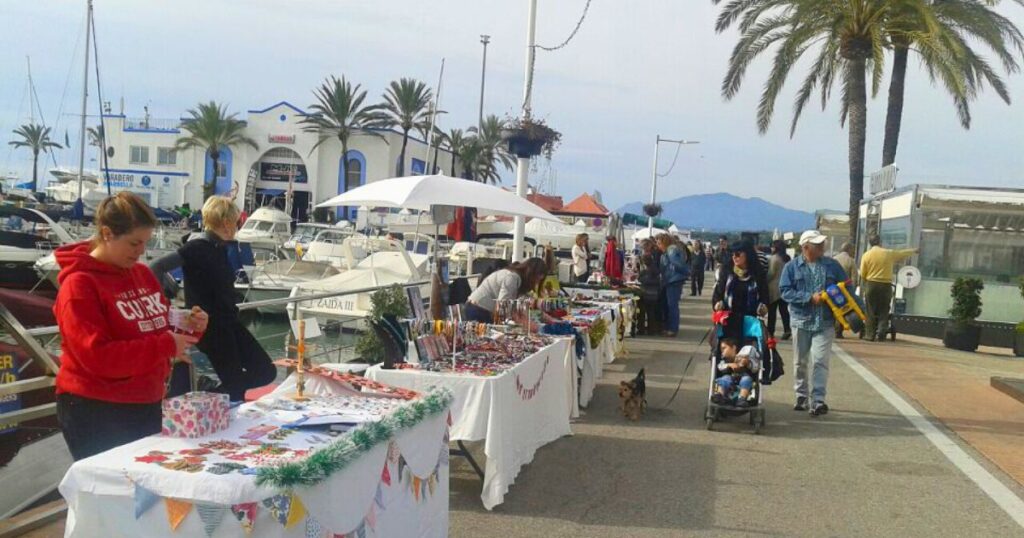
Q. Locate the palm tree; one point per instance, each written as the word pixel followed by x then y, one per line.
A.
pixel 340 113
pixel 848 37
pixel 495 149
pixel 211 128
pixel 455 139
pixel 37 138
pixel 473 155
pixel 942 36
pixel 406 106
pixel 439 139
pixel 95 135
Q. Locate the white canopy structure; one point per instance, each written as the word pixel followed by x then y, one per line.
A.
pixel 423 192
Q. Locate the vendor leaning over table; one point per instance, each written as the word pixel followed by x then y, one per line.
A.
pixel 238 358
pixel 117 346
pixel 517 280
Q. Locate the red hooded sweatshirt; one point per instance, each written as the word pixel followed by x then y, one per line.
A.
pixel 117 344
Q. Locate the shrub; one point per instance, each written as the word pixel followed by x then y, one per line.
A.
pixel 966 293
pixel 391 301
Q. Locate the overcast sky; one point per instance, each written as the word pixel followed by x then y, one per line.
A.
pixel 636 69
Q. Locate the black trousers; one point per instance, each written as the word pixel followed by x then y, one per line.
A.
pixel 93 426
pixel 649 317
pixel 237 357
pixel 697 282
pixel 778 307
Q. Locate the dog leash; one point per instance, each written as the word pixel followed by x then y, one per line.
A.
pixel 687 368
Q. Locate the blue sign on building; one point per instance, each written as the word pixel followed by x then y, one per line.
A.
pixel 146 181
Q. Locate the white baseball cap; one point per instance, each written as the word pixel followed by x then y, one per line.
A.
pixel 812 236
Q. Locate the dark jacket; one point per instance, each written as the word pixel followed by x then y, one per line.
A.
pixel 208 275
pixel 698 261
pixel 757 292
pixel 650 277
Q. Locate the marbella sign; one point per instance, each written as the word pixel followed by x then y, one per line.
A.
pixel 884 180
pixel 281 139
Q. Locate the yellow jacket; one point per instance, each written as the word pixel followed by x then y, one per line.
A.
pixel 876 265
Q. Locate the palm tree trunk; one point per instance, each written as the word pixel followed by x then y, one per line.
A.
pixel 210 188
pixel 344 166
pixel 437 152
pixel 401 157
pixel 35 170
pixel 857 93
pixel 894 115
pixel 453 162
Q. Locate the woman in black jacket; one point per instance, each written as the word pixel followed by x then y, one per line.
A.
pixel 237 357
pixel 741 290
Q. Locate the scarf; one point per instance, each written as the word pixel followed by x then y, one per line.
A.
pixel 742 273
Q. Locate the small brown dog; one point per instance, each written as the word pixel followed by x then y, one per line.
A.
pixel 633 396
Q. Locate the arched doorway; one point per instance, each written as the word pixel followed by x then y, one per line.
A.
pixel 276 171
pixel 223 173
pixel 356 177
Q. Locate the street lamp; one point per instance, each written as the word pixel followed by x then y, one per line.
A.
pixel 654 175
pixel 485 39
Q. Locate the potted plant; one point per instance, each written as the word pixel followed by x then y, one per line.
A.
pixel 528 137
pixel 961 331
pixel 652 210
pixel 389 303
pixel 1018 335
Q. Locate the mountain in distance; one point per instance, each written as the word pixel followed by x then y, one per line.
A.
pixel 727 213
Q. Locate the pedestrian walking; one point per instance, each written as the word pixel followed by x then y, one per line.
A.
pixel 674 271
pixel 697 264
pixel 777 307
pixel 876 273
pixel 650 315
pixel 723 257
pixel 846 259
pixel 742 291
pixel 804 279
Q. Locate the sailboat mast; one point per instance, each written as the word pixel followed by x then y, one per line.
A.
pixel 85 97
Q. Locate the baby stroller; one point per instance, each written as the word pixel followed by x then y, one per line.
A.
pixel 754 334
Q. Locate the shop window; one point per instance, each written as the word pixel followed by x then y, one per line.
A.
pixel 355 174
pixel 138 155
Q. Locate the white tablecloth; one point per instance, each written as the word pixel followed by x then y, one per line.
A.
pixel 101 491
pixel 514 413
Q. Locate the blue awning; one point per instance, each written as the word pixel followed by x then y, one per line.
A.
pixel 270 192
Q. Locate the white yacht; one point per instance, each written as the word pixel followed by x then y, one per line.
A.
pixel 266 230
pixel 26 236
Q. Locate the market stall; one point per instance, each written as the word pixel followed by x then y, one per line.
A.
pixel 515 401
pixel 378 468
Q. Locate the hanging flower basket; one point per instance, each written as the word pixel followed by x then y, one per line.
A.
pixel 652 210
pixel 528 138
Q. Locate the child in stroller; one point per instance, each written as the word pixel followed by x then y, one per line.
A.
pixel 739 363
pixel 738 368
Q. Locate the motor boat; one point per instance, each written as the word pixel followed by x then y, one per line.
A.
pixel 304 233
pixel 25 236
pixel 333 251
pixel 266 230
pixel 162 243
pixel 388 263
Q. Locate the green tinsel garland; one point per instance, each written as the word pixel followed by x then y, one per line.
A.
pixel 339 454
pixel 597 331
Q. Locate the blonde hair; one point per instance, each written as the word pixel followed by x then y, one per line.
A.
pixel 218 211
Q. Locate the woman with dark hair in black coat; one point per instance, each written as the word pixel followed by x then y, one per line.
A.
pixel 742 289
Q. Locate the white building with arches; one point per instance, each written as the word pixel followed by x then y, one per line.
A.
pixel 141 159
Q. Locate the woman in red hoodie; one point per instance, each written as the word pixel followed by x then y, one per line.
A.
pixel 117 346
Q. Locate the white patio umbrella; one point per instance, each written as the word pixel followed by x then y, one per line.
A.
pixel 422 192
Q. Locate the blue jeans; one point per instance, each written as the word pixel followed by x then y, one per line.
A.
pixel 812 349
pixel 727 383
pixel 673 292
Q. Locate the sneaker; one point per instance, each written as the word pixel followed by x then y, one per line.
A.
pixel 787 336
pixel 743 404
pixel 719 399
pixel 820 408
pixel 801 403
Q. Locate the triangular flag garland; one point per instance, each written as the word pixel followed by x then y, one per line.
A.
pixel 211 516
pixel 144 500
pixel 297 513
pixel 313 528
pixel 385 476
pixel 176 511
pixel 245 513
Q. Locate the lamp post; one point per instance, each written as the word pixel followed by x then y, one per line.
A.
pixel 485 39
pixel 523 163
pixel 654 175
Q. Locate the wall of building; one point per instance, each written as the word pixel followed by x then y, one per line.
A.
pixel 278 126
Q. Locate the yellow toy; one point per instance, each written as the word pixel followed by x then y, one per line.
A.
pixel 844 307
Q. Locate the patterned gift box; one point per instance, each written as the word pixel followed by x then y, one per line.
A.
pixel 195 414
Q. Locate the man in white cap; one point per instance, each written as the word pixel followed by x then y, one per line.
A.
pixel 803 281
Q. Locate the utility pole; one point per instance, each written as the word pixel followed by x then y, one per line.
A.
pixel 523 163
pixel 654 175
pixel 485 39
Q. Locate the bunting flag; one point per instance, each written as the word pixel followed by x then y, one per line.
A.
pixel 449 418
pixel 313 528
pixel 385 476
pixel 297 513
pixel 430 484
pixel 176 511
pixel 211 515
pixel 416 487
pixel 378 498
pixel 245 513
pixel 144 500
pixel 361 531
pixel 279 506
pixel 401 467
pixel 371 518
